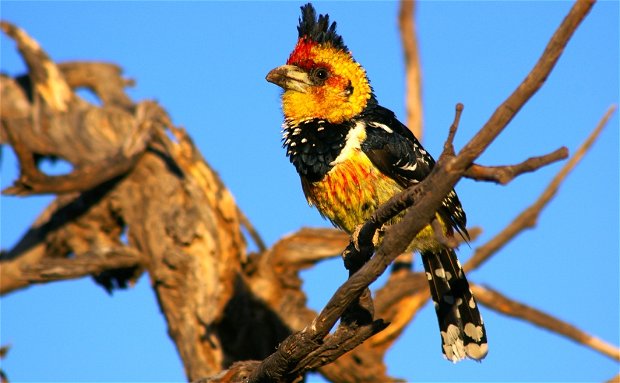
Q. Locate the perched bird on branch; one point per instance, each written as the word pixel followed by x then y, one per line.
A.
pixel 352 155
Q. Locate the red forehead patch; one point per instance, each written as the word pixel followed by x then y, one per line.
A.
pixel 302 55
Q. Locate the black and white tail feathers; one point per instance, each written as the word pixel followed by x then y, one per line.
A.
pixel 462 329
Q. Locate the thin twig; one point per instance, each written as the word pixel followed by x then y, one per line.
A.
pixel 258 240
pixel 344 339
pixel 449 168
pixel 510 307
pixel 504 174
pixel 448 146
pixel 529 216
pixel 528 87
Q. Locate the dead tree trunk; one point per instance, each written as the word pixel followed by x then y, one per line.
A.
pixel 134 173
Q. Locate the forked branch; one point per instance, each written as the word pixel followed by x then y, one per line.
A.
pixel 529 216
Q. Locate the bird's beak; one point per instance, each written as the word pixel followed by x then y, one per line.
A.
pixel 290 77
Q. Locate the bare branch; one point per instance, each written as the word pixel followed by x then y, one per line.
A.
pixel 103 79
pixel 239 372
pixel 90 263
pixel 398 302
pixel 507 306
pixel 47 80
pixel 279 267
pixel 307 246
pixel 528 87
pixel 292 350
pixel 344 339
pixel 33 181
pixel 413 98
pixel 529 216
pixel 258 240
pixel 504 174
pixel 448 146
pixel 69 216
pixel 449 168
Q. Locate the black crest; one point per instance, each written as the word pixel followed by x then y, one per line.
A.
pixel 319 30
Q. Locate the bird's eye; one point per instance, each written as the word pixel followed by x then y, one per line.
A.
pixel 320 74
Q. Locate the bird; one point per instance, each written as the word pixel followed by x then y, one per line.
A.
pixel 352 155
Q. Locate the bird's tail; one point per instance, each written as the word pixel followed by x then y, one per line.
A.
pixel 462 329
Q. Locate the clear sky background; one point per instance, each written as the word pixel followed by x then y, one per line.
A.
pixel 205 62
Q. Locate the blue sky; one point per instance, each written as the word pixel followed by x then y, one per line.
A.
pixel 205 62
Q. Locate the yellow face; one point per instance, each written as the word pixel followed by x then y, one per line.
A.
pixel 320 81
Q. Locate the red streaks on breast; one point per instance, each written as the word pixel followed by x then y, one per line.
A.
pixel 350 192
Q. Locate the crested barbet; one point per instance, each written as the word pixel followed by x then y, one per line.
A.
pixel 352 155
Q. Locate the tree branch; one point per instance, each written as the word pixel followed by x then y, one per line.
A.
pixel 528 87
pixel 32 181
pixel 504 174
pixel 89 263
pixel 507 306
pixel 71 224
pixel 47 80
pixel 102 79
pixel 49 83
pixel 258 240
pixel 308 246
pixel 529 216
pixel 413 82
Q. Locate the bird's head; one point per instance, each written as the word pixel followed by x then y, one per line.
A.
pixel 321 79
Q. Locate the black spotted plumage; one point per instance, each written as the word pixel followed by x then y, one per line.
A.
pixel 394 150
pixel 313 145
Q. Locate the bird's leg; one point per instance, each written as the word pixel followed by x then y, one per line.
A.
pixel 355 256
pixel 359 250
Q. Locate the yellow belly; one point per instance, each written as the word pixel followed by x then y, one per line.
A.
pixel 352 191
